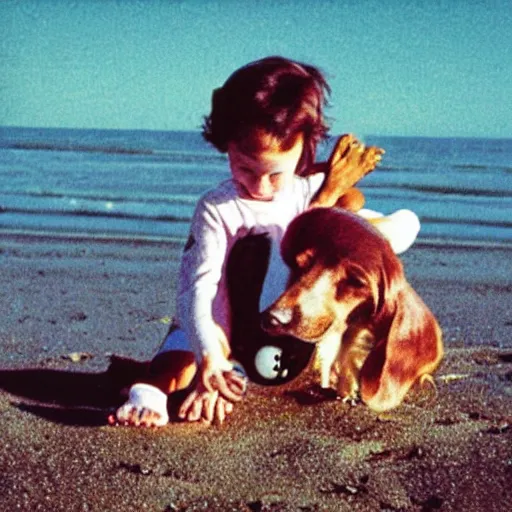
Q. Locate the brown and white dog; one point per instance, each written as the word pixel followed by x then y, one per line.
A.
pixel 348 295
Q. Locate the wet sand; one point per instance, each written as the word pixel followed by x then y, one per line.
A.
pixel 68 306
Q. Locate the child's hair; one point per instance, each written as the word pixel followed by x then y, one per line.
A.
pixel 275 95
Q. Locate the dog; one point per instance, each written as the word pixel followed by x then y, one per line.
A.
pixel 347 294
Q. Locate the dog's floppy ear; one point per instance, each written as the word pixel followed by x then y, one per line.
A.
pixel 408 345
pixel 386 279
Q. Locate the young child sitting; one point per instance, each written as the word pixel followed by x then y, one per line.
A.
pixel 268 118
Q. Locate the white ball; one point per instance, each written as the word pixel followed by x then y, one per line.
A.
pixel 268 362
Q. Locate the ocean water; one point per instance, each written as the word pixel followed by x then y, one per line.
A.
pixel 143 185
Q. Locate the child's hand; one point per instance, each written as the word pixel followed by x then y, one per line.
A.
pixel 205 405
pixel 214 395
pixel 220 376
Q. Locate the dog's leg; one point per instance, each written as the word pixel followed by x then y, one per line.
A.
pixel 356 345
pixel 326 353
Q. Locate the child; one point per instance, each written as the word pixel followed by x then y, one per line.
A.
pixel 268 117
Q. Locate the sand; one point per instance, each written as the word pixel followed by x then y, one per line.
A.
pixel 68 306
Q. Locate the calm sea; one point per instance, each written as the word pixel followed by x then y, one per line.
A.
pixel 144 184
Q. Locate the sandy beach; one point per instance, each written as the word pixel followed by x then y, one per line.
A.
pixel 69 306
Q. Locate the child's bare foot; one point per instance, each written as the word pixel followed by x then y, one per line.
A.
pixel 341 149
pixel 146 407
pixel 349 162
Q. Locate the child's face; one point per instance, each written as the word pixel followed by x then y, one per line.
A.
pixel 260 175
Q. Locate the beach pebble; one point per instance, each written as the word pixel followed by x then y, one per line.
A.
pixel 78 316
pixel 77 357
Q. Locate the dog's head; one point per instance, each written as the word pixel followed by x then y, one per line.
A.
pixel 341 269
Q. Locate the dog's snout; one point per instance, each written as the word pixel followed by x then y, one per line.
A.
pixel 279 317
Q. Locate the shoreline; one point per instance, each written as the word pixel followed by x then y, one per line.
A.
pixel 282 449
pixel 83 237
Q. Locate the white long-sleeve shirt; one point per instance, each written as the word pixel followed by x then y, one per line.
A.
pixel 220 219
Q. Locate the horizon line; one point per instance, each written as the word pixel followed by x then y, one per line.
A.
pixel 198 130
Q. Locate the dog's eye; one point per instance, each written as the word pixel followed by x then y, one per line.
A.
pixel 356 277
pixel 348 284
pixel 304 260
pixel 355 281
pixel 352 281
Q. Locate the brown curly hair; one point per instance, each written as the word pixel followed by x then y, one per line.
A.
pixel 279 96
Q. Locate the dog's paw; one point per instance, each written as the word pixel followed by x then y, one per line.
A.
pixel 348 389
pixel 350 400
pixel 323 393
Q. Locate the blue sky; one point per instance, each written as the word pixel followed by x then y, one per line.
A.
pixel 432 68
